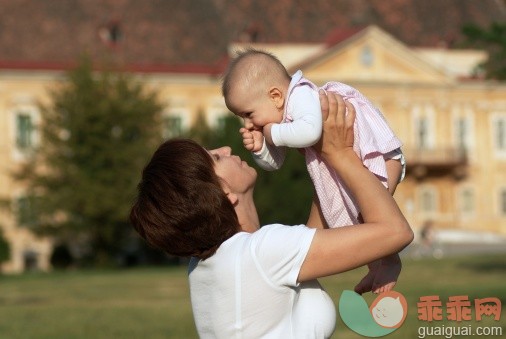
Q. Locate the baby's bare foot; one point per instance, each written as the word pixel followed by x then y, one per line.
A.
pixel 366 284
pixel 387 274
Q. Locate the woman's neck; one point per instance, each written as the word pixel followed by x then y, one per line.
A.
pixel 247 214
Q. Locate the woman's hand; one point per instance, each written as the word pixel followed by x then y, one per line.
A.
pixel 338 118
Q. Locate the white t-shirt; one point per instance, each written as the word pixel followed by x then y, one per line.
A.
pixel 249 289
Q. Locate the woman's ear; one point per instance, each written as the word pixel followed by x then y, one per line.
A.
pixel 276 95
pixel 232 197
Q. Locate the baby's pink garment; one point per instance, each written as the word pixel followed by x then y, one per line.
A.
pixel 373 139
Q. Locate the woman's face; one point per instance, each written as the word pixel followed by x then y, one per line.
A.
pixel 238 175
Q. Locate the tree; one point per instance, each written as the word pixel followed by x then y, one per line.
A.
pixel 284 196
pixel 493 40
pixel 5 249
pixel 200 131
pixel 97 134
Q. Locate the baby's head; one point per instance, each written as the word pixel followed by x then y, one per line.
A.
pixel 254 88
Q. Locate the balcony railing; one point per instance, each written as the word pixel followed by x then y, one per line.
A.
pixel 438 156
pixel 423 162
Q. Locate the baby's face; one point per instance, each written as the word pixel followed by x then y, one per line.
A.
pixel 254 107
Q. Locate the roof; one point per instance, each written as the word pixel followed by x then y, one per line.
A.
pixel 192 36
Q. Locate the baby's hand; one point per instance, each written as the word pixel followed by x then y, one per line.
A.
pixel 253 140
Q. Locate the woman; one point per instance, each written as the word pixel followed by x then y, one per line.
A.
pixel 252 282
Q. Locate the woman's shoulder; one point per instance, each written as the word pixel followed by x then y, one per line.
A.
pixel 274 233
pixel 266 237
pixel 278 228
pixel 279 251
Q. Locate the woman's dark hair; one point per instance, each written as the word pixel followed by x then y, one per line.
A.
pixel 181 207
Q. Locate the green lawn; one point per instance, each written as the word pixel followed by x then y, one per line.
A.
pixel 154 303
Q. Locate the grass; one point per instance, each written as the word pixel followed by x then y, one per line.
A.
pixel 476 277
pixel 154 302
pixel 141 303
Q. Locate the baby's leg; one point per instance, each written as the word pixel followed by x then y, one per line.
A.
pixel 383 273
pixel 316 218
pixel 394 173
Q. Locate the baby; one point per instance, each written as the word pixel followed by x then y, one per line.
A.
pixel 280 111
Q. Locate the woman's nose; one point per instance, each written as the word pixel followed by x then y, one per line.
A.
pixel 224 151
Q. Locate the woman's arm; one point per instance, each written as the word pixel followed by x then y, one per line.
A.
pixel 385 230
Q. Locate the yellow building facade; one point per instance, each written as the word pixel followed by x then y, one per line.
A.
pixel 453 128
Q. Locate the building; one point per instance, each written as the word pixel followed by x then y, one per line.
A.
pixel 453 125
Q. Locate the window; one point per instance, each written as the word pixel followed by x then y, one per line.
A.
pixel 26 216
pixel 461 133
pixel 423 133
pixel 467 201
pixel 463 122
pixel 24 131
pixel 216 113
pixel 24 136
pixel 367 56
pixel 502 207
pixel 110 33
pixel 499 133
pixel 172 127
pixel 424 118
pixel 428 200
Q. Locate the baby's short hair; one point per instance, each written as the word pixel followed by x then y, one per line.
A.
pixel 253 65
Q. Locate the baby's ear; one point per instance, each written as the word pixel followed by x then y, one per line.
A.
pixel 277 97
